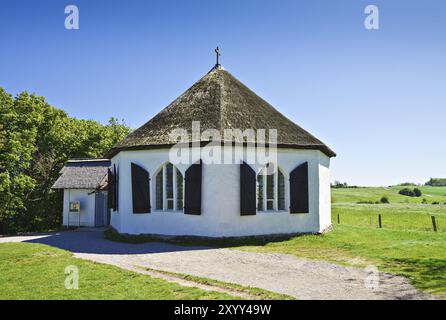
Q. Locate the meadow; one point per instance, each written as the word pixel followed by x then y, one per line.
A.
pixel 405 245
pixel 35 271
pixel 359 207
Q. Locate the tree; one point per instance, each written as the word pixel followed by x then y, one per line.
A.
pixel 18 119
pixel 436 182
pixel 36 140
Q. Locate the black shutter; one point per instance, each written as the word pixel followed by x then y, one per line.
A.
pixel 247 190
pixel 192 192
pixel 140 189
pixel 110 190
pixel 299 198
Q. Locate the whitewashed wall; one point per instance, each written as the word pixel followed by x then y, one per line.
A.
pixel 221 199
pixel 324 193
pixel 87 202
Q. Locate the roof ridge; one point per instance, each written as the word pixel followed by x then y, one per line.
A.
pixel 74 160
pixel 222 106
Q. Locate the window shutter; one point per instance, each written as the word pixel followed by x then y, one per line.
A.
pixel 299 198
pixel 192 190
pixel 140 189
pixel 247 190
pixel 110 190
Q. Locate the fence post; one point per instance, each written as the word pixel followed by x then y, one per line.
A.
pixel 434 223
pixel 380 222
pixel 339 219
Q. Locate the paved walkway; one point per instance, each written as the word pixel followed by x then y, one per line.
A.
pixel 300 278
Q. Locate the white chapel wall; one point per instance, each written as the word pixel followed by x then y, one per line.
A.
pixel 221 200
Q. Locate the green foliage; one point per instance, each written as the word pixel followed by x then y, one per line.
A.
pixel 417 192
pixel 407 184
pixel 407 192
pixel 341 185
pixel 384 199
pixel 36 140
pixel 411 192
pixel 436 182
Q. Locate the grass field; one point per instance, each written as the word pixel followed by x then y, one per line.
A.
pixel 364 194
pixel 34 271
pixel 406 245
pixel 403 213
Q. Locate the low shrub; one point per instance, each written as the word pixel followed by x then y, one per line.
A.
pixel 384 199
pixel 411 192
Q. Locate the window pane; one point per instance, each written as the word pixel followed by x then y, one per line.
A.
pixel 260 192
pixel 270 186
pixel 159 190
pixel 270 205
pixel 169 181
pixel 179 190
pixel 169 204
pixel 281 190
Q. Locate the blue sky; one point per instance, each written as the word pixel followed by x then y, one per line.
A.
pixel 378 98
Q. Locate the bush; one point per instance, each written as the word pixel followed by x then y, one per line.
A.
pixel 411 193
pixel 407 184
pixel 417 192
pixel 424 201
pixel 435 203
pixel 384 200
pixel 341 185
pixel 407 192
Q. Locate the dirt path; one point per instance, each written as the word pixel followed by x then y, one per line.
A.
pixel 300 278
pixel 297 277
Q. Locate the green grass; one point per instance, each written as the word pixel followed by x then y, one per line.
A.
pixel 418 255
pixel 394 216
pixel 364 194
pixel 406 245
pixel 35 271
pixel 403 213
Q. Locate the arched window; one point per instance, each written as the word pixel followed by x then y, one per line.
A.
pixel 169 188
pixel 270 189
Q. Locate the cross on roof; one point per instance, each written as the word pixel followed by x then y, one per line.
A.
pixel 217 52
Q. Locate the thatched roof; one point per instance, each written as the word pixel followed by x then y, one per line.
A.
pixel 83 174
pixel 219 101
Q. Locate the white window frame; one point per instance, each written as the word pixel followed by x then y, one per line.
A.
pixel 163 171
pixel 276 190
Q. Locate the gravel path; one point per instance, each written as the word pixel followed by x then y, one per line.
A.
pixel 297 277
